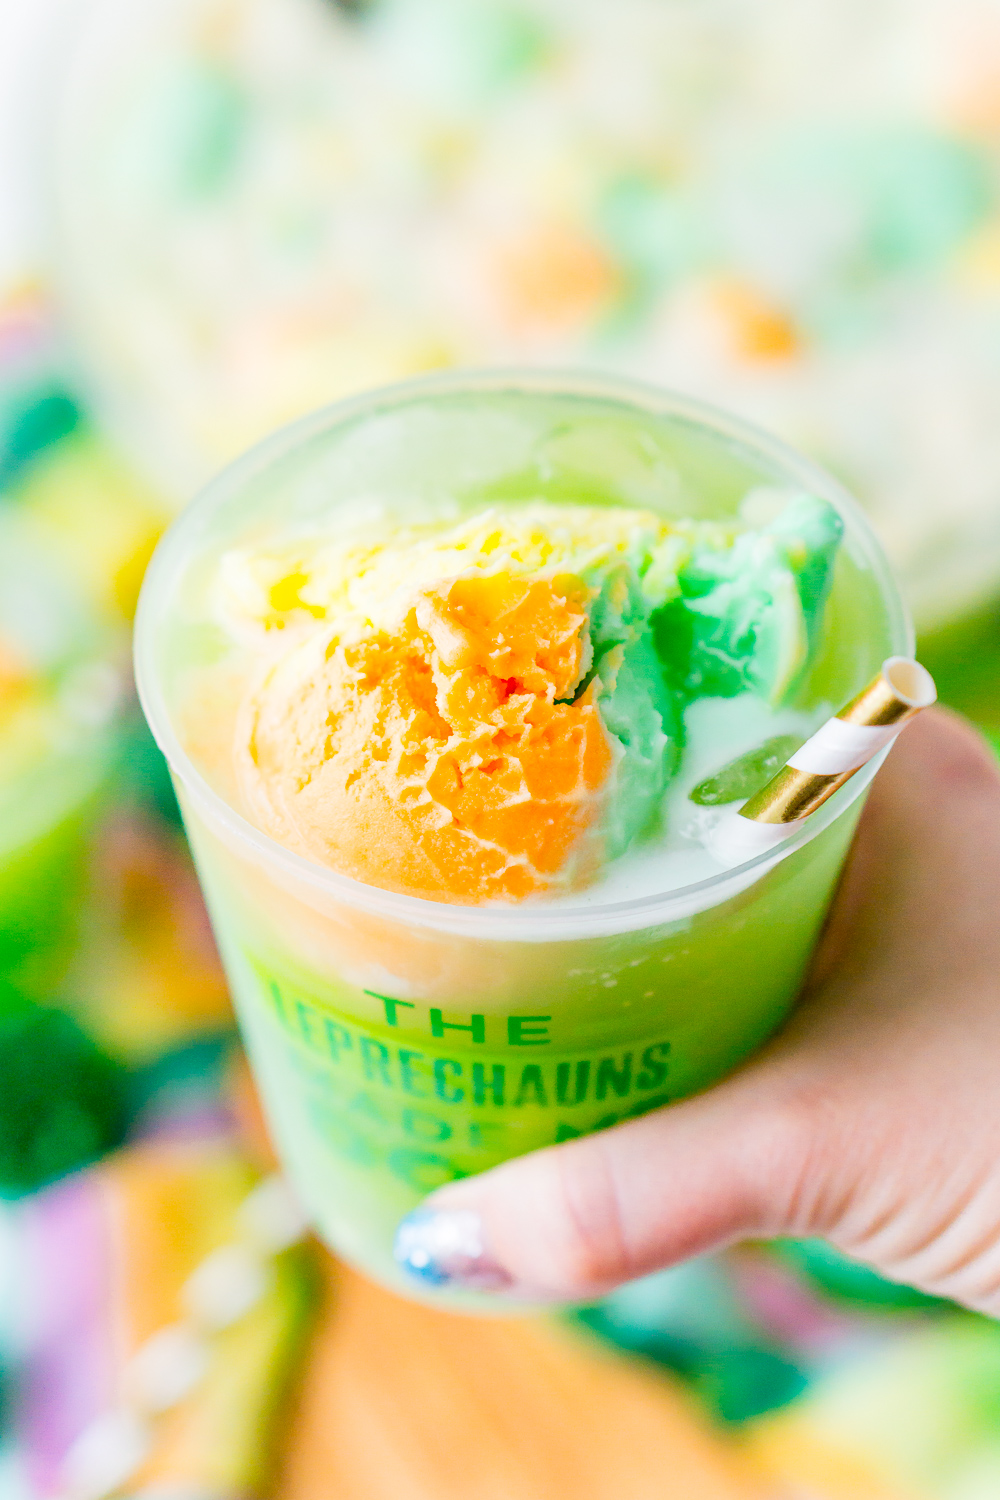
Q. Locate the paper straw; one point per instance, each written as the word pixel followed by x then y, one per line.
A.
pixel 838 749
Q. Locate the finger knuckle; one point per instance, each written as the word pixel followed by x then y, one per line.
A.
pixel 783 1148
pixel 588 1249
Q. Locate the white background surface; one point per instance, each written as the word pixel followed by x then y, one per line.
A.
pixel 33 36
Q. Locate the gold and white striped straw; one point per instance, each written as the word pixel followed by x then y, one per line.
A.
pixel 831 756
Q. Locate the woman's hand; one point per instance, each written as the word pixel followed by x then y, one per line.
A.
pixel 872 1120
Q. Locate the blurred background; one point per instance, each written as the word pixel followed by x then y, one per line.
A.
pixel 216 215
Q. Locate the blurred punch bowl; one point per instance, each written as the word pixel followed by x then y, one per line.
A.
pixel 401 1043
pixel 258 206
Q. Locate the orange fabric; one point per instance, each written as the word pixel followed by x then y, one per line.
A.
pixel 402 1402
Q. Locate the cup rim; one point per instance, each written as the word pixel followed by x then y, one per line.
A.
pixel 523 921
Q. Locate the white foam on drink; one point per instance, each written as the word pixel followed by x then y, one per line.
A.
pixel 718 731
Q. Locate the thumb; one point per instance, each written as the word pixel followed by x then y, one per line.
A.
pixel 791 1142
pixel 569 1222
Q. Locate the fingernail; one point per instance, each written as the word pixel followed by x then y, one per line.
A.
pixel 446 1247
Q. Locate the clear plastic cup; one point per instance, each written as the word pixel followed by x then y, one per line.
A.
pixel 401 1043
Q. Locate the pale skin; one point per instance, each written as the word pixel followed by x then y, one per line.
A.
pixel 872 1120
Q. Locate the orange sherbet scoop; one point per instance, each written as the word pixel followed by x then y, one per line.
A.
pixel 448 758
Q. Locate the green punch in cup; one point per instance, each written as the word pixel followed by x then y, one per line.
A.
pixel 456 679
